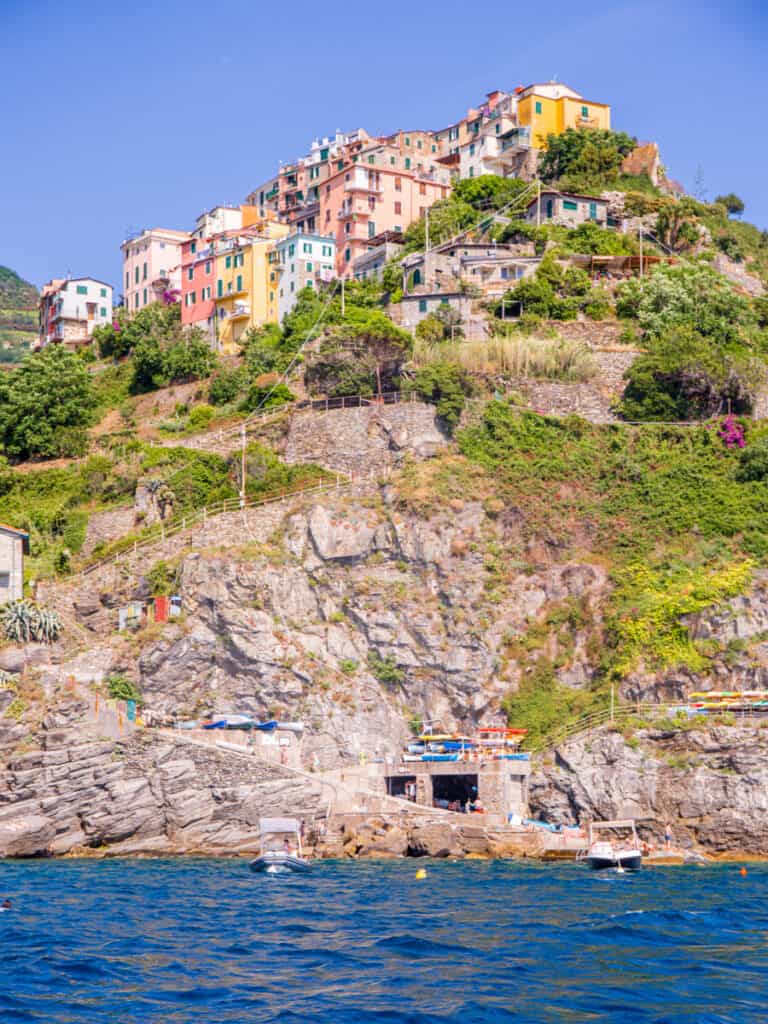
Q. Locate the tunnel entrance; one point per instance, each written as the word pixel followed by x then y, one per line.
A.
pixel 402 786
pixel 454 792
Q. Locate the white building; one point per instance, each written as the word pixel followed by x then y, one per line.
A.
pixel 14 544
pixel 300 261
pixel 151 266
pixel 70 309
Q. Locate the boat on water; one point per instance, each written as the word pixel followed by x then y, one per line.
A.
pixel 281 851
pixel 613 844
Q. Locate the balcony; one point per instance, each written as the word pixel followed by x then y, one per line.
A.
pixel 363 183
pixel 350 211
pixel 518 139
pixel 241 311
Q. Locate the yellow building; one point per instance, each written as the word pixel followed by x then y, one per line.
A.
pixel 551 108
pixel 244 295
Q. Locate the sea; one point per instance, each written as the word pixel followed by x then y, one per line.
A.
pixel 195 940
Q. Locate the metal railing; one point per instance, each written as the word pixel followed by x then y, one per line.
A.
pixel 164 530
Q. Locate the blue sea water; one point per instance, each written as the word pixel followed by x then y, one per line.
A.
pixel 182 941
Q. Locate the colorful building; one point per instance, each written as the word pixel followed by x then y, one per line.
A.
pixel 198 278
pixel 363 200
pixel 151 266
pixel 567 209
pixel 551 108
pixel 71 308
pixel 244 296
pixel 300 260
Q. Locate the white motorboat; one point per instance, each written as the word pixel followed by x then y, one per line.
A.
pixel 280 847
pixel 621 849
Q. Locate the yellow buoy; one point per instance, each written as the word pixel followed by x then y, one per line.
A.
pixel 421 873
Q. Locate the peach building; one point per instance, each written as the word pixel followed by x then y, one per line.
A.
pixel 151 266
pixel 365 199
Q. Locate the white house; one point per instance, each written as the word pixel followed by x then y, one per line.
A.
pixel 14 544
pixel 71 308
pixel 300 260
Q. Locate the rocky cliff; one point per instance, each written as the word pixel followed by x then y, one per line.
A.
pixel 709 784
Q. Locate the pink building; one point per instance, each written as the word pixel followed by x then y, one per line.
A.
pixel 365 199
pixel 151 266
pixel 197 284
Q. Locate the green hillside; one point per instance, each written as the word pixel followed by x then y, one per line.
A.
pixel 18 316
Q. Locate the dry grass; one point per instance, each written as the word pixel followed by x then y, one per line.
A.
pixel 516 356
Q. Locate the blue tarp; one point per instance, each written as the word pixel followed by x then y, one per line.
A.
pixel 266 726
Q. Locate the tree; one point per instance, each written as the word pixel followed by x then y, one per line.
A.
pixel 188 357
pixel 589 152
pixel 447 385
pixel 488 191
pixel 361 355
pixel 46 405
pixel 677 224
pixel 683 377
pixel 687 296
pixel 733 203
pixel 430 330
pixel 157 320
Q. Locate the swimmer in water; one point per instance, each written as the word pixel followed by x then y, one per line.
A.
pixel 5 905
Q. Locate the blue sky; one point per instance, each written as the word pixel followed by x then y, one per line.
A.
pixel 130 115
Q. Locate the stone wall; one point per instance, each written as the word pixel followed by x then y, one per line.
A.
pixel 357 441
pixel 107 526
pixel 594 333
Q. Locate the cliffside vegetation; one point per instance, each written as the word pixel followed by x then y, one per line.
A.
pixel 18 316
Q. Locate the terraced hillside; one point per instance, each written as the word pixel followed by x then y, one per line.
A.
pixel 18 315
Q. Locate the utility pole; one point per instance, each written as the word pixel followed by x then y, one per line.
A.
pixel 242 466
pixel 538 202
pixel 426 230
pixel 640 236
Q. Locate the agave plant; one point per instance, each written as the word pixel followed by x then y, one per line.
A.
pixel 22 621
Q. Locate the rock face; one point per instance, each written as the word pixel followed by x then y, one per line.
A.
pixel 147 795
pixel 710 785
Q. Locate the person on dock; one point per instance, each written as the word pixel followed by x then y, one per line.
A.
pixel 667 837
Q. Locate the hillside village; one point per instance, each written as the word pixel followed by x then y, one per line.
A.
pixel 444 431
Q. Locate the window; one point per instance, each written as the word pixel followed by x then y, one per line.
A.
pixel 398 208
pixel 127 279
pixel 323 154
pixel 103 293
pixel 407 163
pixel 585 111
pixel 293 286
pixel 144 274
pixel 371 229
pixel 340 165
pixel 498 128
pixel 162 245
pixel 136 300
pixel 471 149
pixel 82 289
pixel 593 211
pixel 327 250
pixel 471 172
pixel 307 247
pixel 309 268
pixel 207 266
pixel 309 284
pixel 398 184
pixel 549 208
pixel 422 189
pixel 347 228
pixel 228 262
pixel 239 282
pixel 538 107
pixel 422 305
pixel 162 272
pixel 136 276
pixel 347 255
pixel 192 298
pixel 190 273
pixel 434 149
pixel 371 160
pixel 392 161
pixel 103 311
pixel 271 296
pixel 569 205
pixel 418 143
pixel 145 296
pixel 399 228
pixel 291 250
pixel 193 247
pixel 219 288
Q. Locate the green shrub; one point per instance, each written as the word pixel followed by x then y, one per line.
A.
pixel 225 386
pixel 162 579
pixel 447 386
pixel 120 687
pixel 385 669
pixel 200 417
pixel 266 396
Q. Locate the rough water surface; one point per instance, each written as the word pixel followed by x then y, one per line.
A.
pixel 178 941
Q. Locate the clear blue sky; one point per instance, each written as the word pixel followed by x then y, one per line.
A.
pixel 130 115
